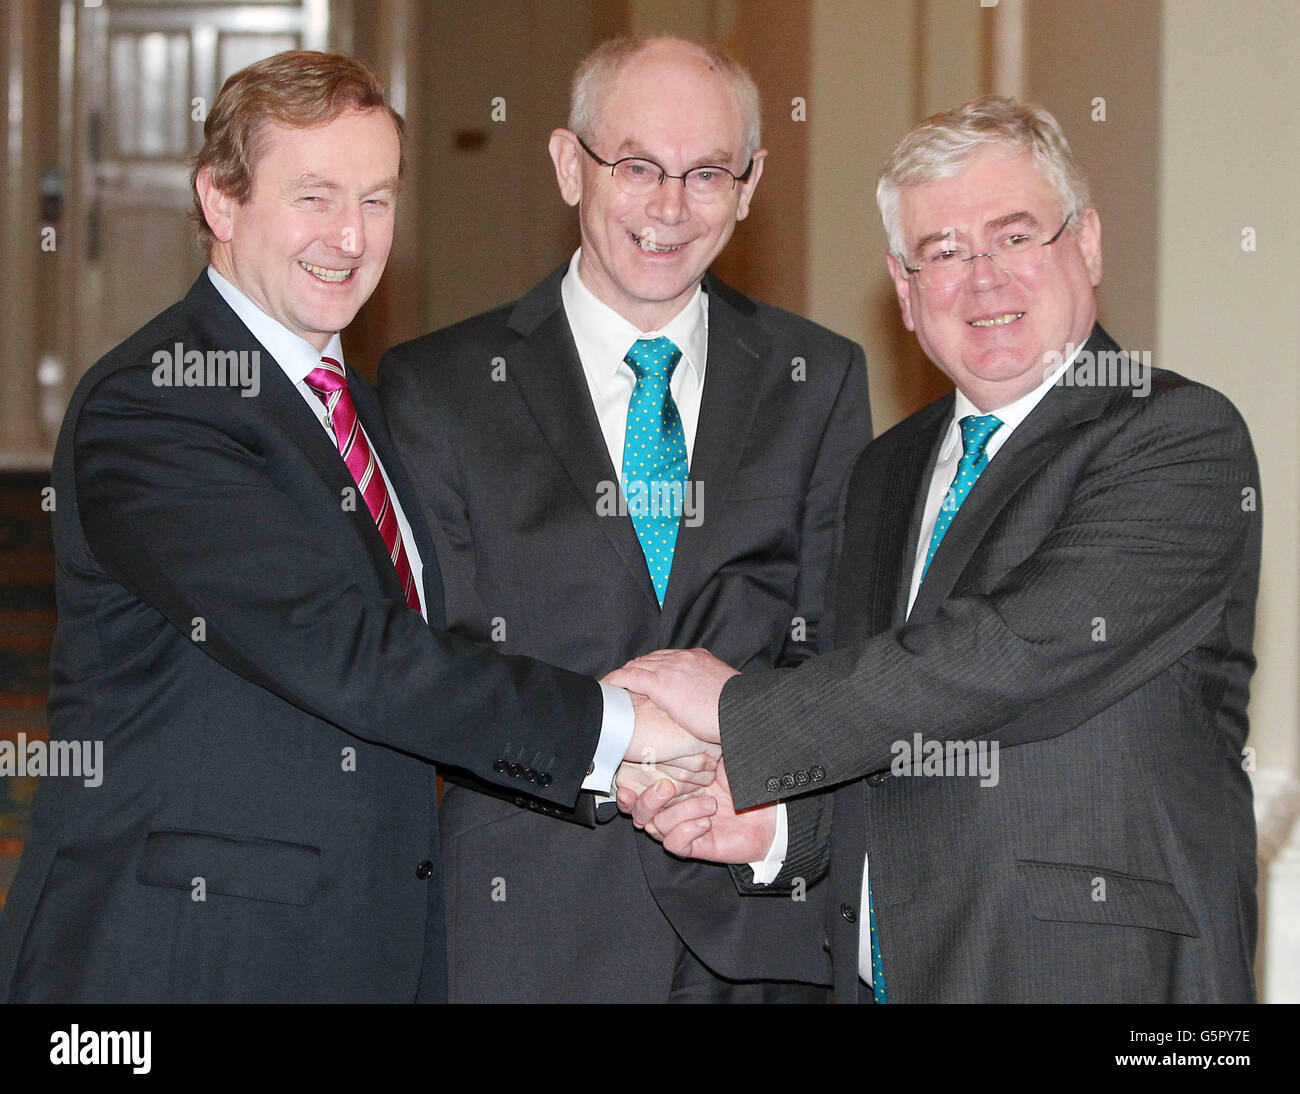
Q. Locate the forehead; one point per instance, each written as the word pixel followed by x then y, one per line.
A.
pixel 993 185
pixel 674 100
pixel 355 143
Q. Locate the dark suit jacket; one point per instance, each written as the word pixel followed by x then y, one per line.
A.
pixel 235 635
pixel 1091 609
pixel 511 470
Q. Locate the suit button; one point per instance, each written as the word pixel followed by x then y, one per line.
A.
pixel 877 778
pixel 817 773
pixel 801 777
pixel 515 771
pixel 520 801
pixel 532 804
pixel 424 871
pixel 544 779
pixel 773 784
pixel 530 774
pixel 787 781
pixel 499 766
pixel 849 912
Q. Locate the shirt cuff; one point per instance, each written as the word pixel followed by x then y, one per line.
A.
pixel 615 735
pixel 765 872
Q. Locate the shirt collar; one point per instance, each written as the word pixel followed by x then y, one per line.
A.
pixel 295 355
pixel 610 335
pixel 1011 415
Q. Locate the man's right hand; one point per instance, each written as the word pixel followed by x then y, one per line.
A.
pixel 703 824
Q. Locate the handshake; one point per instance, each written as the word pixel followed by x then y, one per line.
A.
pixel 674 780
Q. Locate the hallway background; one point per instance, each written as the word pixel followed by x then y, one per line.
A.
pixel 1184 113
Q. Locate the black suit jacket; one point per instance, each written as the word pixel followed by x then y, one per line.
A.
pixel 234 633
pixel 1091 610
pixel 495 419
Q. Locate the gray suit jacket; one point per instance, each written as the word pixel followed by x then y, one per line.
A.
pixel 1091 611
pixel 511 472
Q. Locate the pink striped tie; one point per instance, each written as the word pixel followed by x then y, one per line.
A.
pixel 330 383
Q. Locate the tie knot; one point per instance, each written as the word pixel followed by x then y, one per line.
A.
pixel 329 377
pixel 975 433
pixel 653 357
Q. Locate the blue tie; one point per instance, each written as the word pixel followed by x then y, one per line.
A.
pixel 654 457
pixel 975 434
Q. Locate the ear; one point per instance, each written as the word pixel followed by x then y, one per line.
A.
pixel 567 155
pixel 1089 239
pixel 218 206
pixel 902 287
pixel 747 187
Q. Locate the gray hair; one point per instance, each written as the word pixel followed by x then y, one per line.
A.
pixel 596 73
pixel 946 143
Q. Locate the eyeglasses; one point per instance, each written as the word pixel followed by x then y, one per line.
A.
pixel 637 177
pixel 944 263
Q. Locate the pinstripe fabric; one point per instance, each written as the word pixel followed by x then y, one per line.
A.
pixel 331 384
pixel 1091 615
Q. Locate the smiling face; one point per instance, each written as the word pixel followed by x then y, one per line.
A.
pixel 310 244
pixel 993 332
pixel 643 256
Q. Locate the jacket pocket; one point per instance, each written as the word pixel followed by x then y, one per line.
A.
pixel 1073 893
pixel 242 866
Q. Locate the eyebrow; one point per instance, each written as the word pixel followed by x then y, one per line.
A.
pixel 318 182
pixel 719 158
pixel 1021 216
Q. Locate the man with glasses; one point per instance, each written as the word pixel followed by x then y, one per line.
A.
pixel 634 455
pixel 1034 712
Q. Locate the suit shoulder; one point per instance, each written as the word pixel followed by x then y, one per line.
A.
pixel 164 331
pixel 1163 400
pixel 447 345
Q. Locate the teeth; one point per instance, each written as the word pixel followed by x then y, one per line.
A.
pixel 649 246
pixel 999 321
pixel 325 273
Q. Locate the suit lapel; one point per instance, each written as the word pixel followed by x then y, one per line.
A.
pixel 737 347
pixel 882 512
pixel 545 369
pixel 1035 440
pixel 280 402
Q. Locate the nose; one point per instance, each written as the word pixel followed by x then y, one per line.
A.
pixel 350 233
pixel 668 202
pixel 986 276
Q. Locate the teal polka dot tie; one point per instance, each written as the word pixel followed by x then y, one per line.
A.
pixel 975 434
pixel 877 963
pixel 654 457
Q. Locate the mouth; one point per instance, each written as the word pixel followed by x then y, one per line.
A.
pixel 997 320
pixel 324 273
pixel 646 245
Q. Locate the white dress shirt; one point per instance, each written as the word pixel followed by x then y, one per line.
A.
pixel 297 358
pixel 603 338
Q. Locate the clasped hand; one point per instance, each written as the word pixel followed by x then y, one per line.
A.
pixel 684 801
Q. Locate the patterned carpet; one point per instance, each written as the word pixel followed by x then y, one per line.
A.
pixel 26 630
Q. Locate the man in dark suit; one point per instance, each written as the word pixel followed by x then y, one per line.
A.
pixel 528 430
pixel 242 616
pixel 1035 710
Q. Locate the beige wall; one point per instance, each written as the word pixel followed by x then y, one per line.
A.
pixel 1230 160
